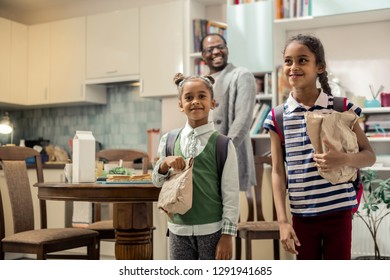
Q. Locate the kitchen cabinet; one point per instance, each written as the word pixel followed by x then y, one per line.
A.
pixel 18 69
pixel 112 47
pixel 57 65
pixel 5 53
pixel 13 57
pixel 38 64
pixel 161 48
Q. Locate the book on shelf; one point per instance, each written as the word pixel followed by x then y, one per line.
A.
pixel 256 109
pixel 257 125
pixel 263 83
pixel 200 67
pixel 285 9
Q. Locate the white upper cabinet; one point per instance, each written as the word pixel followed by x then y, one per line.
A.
pixel 13 66
pixel 113 46
pixel 56 67
pixel 18 68
pixel 5 54
pixel 67 73
pixel 161 48
pixel 38 64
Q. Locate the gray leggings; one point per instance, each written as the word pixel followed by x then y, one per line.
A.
pixel 200 247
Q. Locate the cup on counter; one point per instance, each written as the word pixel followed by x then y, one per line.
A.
pixel 99 168
pixel 385 99
pixel 68 172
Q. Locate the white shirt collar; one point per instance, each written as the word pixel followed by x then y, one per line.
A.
pixel 198 130
pixel 293 104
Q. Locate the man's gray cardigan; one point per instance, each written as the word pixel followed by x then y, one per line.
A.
pixel 235 93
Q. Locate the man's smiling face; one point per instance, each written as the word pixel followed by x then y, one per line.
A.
pixel 215 53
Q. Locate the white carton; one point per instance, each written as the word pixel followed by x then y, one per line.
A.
pixel 83 157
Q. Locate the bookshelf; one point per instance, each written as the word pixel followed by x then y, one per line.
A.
pixel 325 15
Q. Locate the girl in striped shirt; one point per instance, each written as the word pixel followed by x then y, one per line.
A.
pixel 321 211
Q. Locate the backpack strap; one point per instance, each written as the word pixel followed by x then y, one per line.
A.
pixel 277 115
pixel 170 146
pixel 221 151
pixel 340 104
pixel 221 148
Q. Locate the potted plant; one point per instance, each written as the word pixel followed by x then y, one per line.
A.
pixel 376 199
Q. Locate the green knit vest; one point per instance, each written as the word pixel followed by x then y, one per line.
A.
pixel 207 200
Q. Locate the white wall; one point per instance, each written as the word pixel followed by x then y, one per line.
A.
pixel 357 54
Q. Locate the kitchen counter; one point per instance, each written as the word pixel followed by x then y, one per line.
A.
pixel 61 165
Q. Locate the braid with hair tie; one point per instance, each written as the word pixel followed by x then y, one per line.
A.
pixel 323 79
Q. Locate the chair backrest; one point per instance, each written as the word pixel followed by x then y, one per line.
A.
pixel 13 161
pixel 254 197
pixel 127 155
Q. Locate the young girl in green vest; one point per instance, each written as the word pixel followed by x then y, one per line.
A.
pixel 206 231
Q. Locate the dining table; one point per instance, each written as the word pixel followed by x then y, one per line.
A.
pixel 132 211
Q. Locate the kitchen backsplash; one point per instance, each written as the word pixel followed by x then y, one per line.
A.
pixel 122 123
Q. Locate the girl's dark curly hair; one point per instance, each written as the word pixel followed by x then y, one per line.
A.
pixel 315 46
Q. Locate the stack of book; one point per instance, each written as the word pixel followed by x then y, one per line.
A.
pixel 260 113
pixel 293 8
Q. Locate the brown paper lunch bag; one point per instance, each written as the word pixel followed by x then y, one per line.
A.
pixel 176 193
pixel 337 129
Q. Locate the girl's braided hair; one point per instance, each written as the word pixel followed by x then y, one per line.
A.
pixel 315 46
pixel 179 79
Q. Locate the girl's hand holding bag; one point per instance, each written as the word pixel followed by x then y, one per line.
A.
pixel 176 193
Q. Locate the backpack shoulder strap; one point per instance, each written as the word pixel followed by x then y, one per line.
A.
pixel 221 147
pixel 340 104
pixel 170 146
pixel 222 151
pixel 277 114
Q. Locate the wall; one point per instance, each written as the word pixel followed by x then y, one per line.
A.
pixel 122 123
pixel 358 54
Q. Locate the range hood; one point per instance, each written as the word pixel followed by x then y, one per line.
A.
pixel 131 80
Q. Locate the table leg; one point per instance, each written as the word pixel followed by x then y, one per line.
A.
pixel 134 228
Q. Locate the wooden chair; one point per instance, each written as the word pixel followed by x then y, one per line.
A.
pixel 26 239
pixel 257 228
pixel 105 228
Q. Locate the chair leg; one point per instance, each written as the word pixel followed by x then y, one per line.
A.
pixel 93 250
pixel 238 248
pixel 276 249
pixel 248 249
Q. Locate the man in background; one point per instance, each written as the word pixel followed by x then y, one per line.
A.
pixel 235 95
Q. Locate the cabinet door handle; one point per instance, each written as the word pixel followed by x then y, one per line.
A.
pixel 111 71
pixel 45 93
pixel 141 85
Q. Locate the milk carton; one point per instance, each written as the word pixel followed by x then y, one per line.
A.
pixel 83 157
